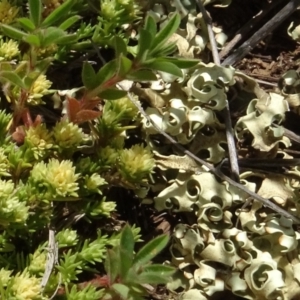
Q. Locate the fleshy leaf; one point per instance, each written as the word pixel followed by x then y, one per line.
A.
pixel 69 22
pixel 13 78
pixel 122 290
pixel 150 250
pixel 112 94
pixel 106 72
pixel 52 35
pixel 163 35
pixel 35 11
pixel 150 25
pixel 124 65
pixel 32 40
pixel 181 62
pixel 112 264
pixel 120 46
pixel 144 44
pixel 13 32
pixel 126 251
pixel 26 23
pixel 155 274
pixel 142 75
pixel 67 39
pixel 58 13
pixel 88 76
pixel 164 66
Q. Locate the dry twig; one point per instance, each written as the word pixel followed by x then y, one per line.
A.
pixel 242 32
pixel 246 47
pixel 226 112
pixel 52 260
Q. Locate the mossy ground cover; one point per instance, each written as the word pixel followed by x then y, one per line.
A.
pixel 114 152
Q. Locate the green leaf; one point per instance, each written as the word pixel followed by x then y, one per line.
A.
pixel 164 50
pixel 181 62
pixel 120 46
pixel 107 72
pixel 152 278
pixel 26 23
pixel 124 65
pixel 6 66
pixel 32 40
pixel 142 75
pixel 69 22
pixel 156 274
pixel 150 25
pixel 51 35
pixel 88 76
pixel 13 78
pixel 28 81
pixel 164 66
pixel 149 251
pixel 136 287
pixel 112 94
pixel 163 35
pixel 13 32
pixel 35 11
pixel 126 251
pixel 43 65
pixel 67 39
pixel 145 41
pixel 59 13
pixel 112 264
pixel 122 290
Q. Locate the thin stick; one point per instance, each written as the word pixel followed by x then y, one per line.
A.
pixel 226 111
pixel 242 32
pixel 211 35
pixel 246 47
pixel 266 82
pixel 52 258
pixel 210 167
pixel 291 135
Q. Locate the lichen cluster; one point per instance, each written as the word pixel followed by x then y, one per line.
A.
pixel 258 258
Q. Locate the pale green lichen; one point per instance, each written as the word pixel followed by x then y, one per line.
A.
pixel 259 121
pixel 294 31
pixel 263 278
pixel 209 84
pixel 179 120
pixel 191 192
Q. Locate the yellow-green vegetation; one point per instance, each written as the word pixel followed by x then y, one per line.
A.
pixel 76 77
